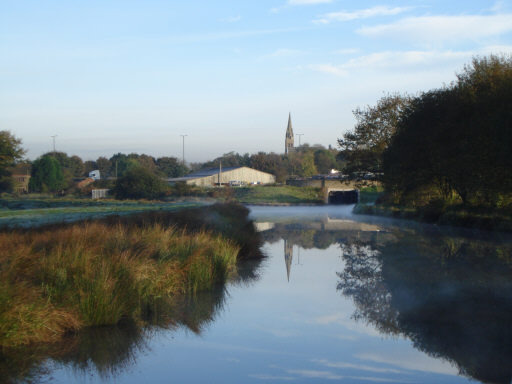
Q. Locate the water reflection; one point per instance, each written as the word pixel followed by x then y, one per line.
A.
pixel 452 296
pixel 449 293
pixel 112 350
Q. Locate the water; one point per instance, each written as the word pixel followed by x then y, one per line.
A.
pixel 343 298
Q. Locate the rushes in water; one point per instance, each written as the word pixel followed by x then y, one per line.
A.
pixel 61 279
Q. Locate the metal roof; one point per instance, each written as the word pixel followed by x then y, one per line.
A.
pixel 205 173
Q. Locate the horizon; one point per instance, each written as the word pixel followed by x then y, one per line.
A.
pixel 131 78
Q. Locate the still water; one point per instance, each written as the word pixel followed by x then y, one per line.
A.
pixel 345 298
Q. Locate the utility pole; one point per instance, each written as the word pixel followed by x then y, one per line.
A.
pixel 299 134
pixel 53 137
pixel 183 137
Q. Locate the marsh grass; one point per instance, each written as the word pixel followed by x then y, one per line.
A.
pixel 63 278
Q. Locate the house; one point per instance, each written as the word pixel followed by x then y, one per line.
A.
pixel 95 174
pixel 21 177
pixel 234 176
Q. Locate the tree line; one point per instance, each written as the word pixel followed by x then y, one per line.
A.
pixel 449 145
pixel 129 174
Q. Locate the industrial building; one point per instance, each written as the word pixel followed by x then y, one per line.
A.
pixel 233 176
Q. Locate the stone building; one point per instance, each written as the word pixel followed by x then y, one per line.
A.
pixel 233 176
pixel 288 141
pixel 21 178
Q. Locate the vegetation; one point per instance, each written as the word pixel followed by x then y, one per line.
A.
pixel 47 175
pixel 139 183
pixel 362 148
pixel 455 142
pixel 285 194
pixel 62 278
pixel 448 159
pixel 10 152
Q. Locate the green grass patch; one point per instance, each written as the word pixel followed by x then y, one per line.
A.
pixel 369 195
pixel 285 194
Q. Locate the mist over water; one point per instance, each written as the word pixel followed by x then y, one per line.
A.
pixel 340 297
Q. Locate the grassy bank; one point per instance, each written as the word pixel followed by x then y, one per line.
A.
pixel 284 194
pixel 30 211
pixel 63 278
pixel 456 215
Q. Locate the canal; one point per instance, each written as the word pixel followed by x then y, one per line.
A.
pixel 339 298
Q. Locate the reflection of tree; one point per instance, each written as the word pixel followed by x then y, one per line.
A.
pixel 362 279
pixel 111 350
pixel 451 296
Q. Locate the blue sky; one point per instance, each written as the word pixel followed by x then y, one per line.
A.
pixel 131 76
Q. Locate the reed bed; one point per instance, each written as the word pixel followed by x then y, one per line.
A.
pixel 60 279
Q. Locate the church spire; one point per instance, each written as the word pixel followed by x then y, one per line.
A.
pixel 288 142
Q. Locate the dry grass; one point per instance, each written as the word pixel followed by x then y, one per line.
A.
pixel 57 280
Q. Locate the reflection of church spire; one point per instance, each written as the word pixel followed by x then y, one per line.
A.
pixel 288 257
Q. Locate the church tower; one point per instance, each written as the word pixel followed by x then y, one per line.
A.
pixel 288 142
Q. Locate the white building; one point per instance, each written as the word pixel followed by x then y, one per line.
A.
pixel 95 174
pixel 234 176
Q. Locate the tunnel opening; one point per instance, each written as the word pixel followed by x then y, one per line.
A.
pixel 344 197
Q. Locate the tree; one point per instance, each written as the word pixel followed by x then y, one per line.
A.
pixel 325 160
pixel 171 167
pixel 46 175
pixel 457 139
pixel 103 165
pixel 10 152
pixel 139 183
pixel 363 147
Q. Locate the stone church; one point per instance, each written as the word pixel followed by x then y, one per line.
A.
pixel 288 142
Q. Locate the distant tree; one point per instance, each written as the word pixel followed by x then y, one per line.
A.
pixel 46 175
pixel 139 183
pixel 171 167
pixel 76 166
pixel 230 159
pixel 325 160
pixel 10 152
pixel 121 163
pixel 308 167
pixel 145 161
pixel 89 166
pixel 363 147
pixel 103 165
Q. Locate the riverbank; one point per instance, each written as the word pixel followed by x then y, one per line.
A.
pixel 62 278
pixel 458 216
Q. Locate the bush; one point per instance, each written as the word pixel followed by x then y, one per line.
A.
pixel 139 183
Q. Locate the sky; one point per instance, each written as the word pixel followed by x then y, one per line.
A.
pixel 109 76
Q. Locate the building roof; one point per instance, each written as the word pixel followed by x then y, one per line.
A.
pixel 210 172
pixel 21 169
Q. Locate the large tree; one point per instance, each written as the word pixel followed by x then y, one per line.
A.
pixel 363 147
pixel 46 175
pixel 171 167
pixel 10 152
pixel 457 138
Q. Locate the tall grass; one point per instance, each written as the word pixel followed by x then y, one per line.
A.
pixel 60 279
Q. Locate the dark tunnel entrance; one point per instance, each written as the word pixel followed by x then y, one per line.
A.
pixel 344 197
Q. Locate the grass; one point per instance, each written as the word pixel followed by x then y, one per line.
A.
pixel 369 195
pixel 63 278
pixel 36 212
pixel 285 194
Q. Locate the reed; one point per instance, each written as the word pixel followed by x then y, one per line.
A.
pixel 59 279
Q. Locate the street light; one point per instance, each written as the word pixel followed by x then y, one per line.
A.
pixel 299 134
pixel 53 137
pixel 183 137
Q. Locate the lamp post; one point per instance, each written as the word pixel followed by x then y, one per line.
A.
pixel 53 137
pixel 183 137
pixel 299 134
